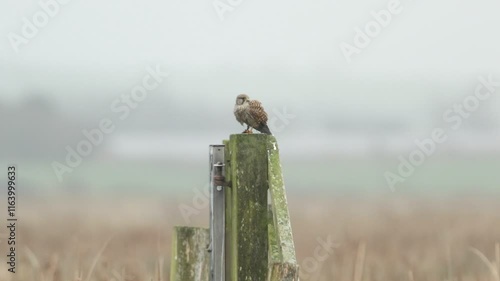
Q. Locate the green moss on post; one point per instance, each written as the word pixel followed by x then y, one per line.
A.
pixel 283 272
pixel 248 234
pixel 274 249
pixel 283 263
pixel 281 217
pixel 190 258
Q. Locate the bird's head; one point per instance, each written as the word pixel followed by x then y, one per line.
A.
pixel 241 99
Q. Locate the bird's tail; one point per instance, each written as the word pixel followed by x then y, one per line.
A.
pixel 264 129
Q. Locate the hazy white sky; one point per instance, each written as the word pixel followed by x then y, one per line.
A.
pixel 278 48
pixel 425 35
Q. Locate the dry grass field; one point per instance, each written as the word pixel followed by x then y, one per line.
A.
pixel 383 239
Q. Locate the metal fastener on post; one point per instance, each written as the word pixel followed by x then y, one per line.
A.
pixel 217 213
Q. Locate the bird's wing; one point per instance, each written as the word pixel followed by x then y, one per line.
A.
pixel 257 112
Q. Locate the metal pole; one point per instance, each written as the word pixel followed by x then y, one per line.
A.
pixel 217 211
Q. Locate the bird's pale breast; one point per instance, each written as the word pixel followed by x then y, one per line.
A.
pixel 239 112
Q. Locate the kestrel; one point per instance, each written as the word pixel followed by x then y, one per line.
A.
pixel 252 114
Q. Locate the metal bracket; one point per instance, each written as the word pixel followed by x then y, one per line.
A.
pixel 217 213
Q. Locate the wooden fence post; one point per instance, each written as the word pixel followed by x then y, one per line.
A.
pixel 258 239
pixel 190 258
pixel 246 211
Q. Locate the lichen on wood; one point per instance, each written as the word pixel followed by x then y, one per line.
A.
pixel 190 258
pixel 249 180
pixel 281 215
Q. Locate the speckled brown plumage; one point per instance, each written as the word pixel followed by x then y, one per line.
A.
pixel 251 113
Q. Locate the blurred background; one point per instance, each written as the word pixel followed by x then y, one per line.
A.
pixel 342 123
